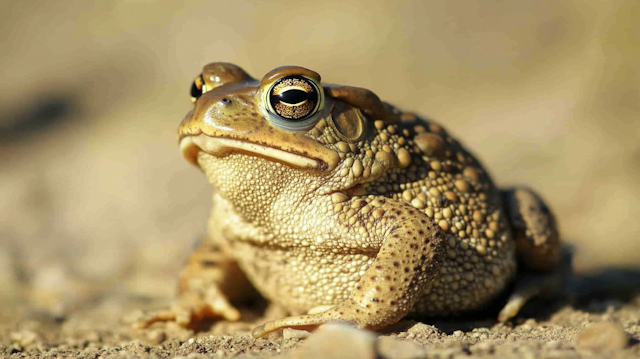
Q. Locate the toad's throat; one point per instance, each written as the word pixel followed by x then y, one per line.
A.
pixel 220 147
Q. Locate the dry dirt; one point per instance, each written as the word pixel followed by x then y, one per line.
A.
pixel 599 316
pixel 98 210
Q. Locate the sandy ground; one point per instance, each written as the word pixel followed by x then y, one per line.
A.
pixel 599 316
pixel 98 210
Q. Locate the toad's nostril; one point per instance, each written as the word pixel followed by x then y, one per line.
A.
pixel 226 101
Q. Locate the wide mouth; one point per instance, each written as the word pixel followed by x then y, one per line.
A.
pixel 190 146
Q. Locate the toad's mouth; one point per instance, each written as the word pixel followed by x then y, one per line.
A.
pixel 190 146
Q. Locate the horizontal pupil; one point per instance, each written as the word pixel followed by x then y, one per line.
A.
pixel 295 96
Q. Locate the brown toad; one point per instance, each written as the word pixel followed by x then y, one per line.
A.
pixel 341 207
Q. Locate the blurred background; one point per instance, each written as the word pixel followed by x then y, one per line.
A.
pixel 94 194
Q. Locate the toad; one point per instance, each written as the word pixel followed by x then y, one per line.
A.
pixel 341 207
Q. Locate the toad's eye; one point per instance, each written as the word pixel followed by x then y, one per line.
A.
pixel 197 88
pixel 294 98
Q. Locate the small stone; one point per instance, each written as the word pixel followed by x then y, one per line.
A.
pixel 289 333
pixel 337 340
pixel 94 337
pixel 24 338
pixel 482 347
pixel 399 349
pixel 603 336
pixel 156 336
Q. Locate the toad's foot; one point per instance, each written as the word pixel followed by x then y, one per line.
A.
pixel 546 267
pixel 193 308
pixel 209 283
pixel 534 284
pixel 347 311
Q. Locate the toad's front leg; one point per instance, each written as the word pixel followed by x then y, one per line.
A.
pixel 209 283
pixel 409 259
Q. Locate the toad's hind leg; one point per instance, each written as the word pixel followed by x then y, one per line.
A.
pixel 538 249
pixel 209 283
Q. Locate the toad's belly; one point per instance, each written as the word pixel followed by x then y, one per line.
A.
pixel 299 278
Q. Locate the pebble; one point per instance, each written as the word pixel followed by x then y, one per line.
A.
pixel 289 333
pixel 156 336
pixel 24 338
pixel 399 349
pixel 337 340
pixel 603 336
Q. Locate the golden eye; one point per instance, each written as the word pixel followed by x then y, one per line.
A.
pixel 198 87
pixel 294 98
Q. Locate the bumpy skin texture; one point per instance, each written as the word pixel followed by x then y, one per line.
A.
pixel 366 215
